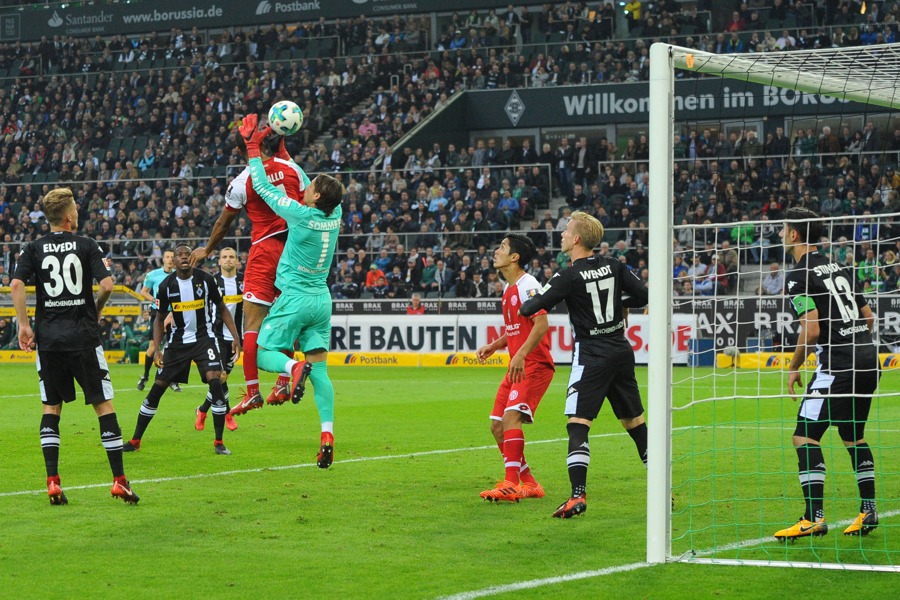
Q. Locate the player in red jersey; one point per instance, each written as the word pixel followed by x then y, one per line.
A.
pixel 267 238
pixel 530 370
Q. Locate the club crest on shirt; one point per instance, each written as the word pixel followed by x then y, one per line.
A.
pixel 198 291
pixel 514 300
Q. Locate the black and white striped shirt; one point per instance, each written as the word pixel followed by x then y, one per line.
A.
pixel 232 291
pixel 194 304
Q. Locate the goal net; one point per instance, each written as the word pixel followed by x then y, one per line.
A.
pixel 736 140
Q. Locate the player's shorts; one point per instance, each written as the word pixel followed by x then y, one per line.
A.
pixel 305 319
pixel 227 353
pixel 58 372
pixel 523 396
pixel 590 385
pixel 177 360
pixel 153 313
pixel 259 274
pixel 841 399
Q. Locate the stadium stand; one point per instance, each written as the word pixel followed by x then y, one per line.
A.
pixel 142 128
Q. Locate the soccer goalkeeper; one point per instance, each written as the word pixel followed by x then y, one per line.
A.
pixel 303 311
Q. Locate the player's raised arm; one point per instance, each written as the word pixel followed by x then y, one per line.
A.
pixel 286 208
pixel 553 293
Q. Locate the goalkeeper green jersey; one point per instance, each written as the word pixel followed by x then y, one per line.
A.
pixel 312 237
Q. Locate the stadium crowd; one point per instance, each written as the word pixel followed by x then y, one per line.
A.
pixel 142 128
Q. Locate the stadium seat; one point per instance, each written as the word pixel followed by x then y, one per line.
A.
pixel 327 48
pixel 432 295
pixel 366 296
pixel 127 145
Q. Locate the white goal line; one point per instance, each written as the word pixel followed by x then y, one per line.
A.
pixel 698 557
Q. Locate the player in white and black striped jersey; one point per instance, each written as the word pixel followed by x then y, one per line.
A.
pixel 194 301
pixel 62 266
pixel 231 285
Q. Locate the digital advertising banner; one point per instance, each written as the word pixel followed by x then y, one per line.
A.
pixel 31 23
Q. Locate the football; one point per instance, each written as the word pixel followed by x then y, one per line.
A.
pixel 285 118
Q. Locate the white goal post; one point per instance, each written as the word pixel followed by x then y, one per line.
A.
pixel 866 74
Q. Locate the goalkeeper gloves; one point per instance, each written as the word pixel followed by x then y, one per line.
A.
pixel 252 136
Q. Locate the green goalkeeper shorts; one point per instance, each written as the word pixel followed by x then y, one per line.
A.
pixel 305 319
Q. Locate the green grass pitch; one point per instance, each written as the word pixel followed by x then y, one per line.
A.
pixel 398 515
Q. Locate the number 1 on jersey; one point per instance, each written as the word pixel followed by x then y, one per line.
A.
pixel 603 304
pixel 326 237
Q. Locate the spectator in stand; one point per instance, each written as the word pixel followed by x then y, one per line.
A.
pixel 372 277
pixel 465 287
pixel 415 306
pixel 773 284
pixel 679 271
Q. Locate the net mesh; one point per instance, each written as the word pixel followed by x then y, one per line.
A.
pixel 734 468
pixel 865 74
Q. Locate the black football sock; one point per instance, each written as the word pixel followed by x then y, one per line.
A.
pixel 579 457
pixel 864 466
pixel 639 435
pixel 50 443
pixel 148 409
pixel 219 409
pixel 111 438
pixel 207 402
pixel 811 465
pixel 148 362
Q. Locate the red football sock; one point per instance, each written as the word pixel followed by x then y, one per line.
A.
pixel 251 371
pixel 525 471
pixel 513 446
